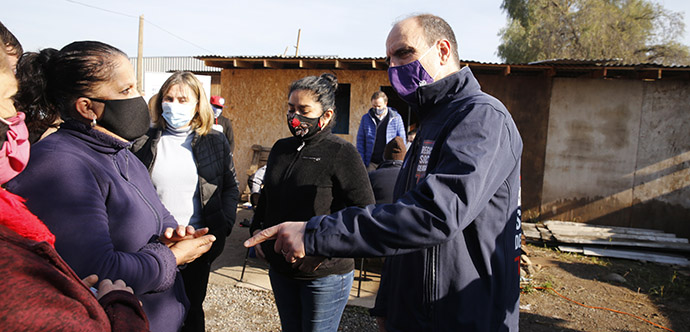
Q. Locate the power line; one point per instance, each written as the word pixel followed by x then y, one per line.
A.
pixel 103 9
pixel 178 37
pixel 133 16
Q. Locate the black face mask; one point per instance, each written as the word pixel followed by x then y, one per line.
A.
pixel 127 118
pixel 302 126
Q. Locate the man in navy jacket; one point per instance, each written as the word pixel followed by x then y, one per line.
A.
pixel 453 234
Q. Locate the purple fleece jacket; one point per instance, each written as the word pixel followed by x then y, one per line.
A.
pixel 98 200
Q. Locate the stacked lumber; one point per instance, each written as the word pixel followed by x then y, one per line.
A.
pixel 609 241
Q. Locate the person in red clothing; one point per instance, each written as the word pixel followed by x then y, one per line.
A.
pixel 221 123
pixel 40 292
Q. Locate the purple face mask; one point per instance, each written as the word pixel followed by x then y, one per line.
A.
pixel 407 78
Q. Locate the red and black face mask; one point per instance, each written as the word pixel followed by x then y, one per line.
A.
pixel 302 126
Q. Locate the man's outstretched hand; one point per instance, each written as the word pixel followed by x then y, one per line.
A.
pixel 289 238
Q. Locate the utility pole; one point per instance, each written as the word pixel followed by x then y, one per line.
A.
pixel 140 57
pixel 299 33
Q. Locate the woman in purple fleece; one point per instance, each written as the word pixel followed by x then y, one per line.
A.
pixel 90 190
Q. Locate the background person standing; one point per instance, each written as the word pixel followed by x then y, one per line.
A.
pixel 192 170
pixel 383 178
pixel 376 128
pixel 221 123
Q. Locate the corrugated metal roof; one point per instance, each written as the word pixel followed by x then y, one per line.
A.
pixel 308 57
pixel 602 63
pixel 595 68
pixel 553 62
pixel 270 57
pixel 174 63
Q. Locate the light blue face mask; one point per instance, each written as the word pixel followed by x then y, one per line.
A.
pixel 217 111
pixel 178 115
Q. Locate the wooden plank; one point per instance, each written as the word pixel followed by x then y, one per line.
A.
pixel 616 228
pixel 241 64
pixel 615 237
pixel 546 234
pixel 530 231
pixel 307 64
pixel 605 232
pixel 272 64
pixel 595 230
pixel 674 246
pixel 340 65
pixel 628 254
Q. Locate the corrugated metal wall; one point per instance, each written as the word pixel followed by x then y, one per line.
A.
pixel 172 63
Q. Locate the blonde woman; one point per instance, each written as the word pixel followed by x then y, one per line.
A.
pixel 192 170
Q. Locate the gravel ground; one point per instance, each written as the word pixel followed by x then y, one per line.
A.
pixel 230 308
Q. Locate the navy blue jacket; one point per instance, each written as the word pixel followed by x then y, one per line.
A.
pixel 383 180
pixel 454 233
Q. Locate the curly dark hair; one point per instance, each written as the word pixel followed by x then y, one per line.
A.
pixel 12 45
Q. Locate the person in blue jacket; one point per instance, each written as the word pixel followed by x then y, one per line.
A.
pixel 378 127
pixel 453 233
pixel 92 192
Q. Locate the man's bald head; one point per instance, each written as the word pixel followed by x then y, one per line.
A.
pixel 434 28
pixel 412 38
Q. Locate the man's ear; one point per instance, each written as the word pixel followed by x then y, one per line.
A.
pixel 444 49
pixel 84 107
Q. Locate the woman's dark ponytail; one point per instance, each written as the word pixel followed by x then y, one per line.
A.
pixel 323 87
pixel 31 98
pixel 51 81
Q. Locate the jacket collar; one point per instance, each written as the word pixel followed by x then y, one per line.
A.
pixel 99 140
pixel 390 164
pixel 458 85
pixel 320 136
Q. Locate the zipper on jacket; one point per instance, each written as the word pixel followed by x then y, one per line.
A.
pixel 198 181
pixel 432 258
pixel 288 171
pixel 143 198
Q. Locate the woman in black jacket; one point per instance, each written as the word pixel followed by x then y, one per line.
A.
pixel 312 173
pixel 192 169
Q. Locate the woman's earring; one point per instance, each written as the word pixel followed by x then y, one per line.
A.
pixel 93 122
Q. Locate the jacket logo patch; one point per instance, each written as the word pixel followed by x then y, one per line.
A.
pixel 314 159
pixel 423 162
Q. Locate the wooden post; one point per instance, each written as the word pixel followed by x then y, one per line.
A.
pixel 140 57
pixel 299 33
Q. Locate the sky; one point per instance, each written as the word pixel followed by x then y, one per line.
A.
pixel 345 28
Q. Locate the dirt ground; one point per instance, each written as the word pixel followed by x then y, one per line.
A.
pixel 658 293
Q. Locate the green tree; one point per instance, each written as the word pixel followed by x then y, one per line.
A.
pixel 632 31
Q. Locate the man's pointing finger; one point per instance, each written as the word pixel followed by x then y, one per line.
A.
pixel 266 234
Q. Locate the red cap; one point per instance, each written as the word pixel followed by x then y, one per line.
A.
pixel 217 101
